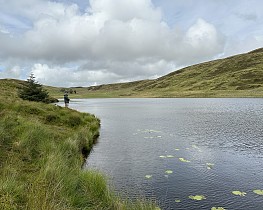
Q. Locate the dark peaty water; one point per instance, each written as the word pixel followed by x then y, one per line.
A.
pixel 222 139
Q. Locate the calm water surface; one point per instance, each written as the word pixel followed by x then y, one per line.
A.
pixel 225 132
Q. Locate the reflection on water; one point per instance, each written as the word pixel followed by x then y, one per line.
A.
pixel 187 147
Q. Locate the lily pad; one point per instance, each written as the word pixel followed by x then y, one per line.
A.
pixel 170 156
pixel 177 201
pixel 236 192
pixel 150 131
pixel 148 176
pixel 155 131
pixel 197 197
pixel 209 165
pixel 169 172
pixel 218 208
pixel 259 192
pixel 184 160
pixel 148 137
pixel 197 148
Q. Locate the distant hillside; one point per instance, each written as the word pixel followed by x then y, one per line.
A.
pixel 236 76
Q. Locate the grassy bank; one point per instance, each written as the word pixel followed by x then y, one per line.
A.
pixel 42 149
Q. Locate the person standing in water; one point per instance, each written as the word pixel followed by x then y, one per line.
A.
pixel 66 99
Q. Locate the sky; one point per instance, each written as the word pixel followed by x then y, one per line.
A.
pixel 69 43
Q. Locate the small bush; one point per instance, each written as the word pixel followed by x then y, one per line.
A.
pixel 33 110
pixel 33 91
pixel 7 202
pixel 74 121
pixel 52 118
pixel 2 106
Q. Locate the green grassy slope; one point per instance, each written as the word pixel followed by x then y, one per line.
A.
pixel 42 147
pixel 236 76
pixel 240 75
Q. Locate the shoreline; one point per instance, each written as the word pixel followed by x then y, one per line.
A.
pixel 41 157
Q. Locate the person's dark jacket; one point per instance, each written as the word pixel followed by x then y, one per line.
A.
pixel 66 98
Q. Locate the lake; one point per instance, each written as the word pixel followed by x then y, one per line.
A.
pixel 166 150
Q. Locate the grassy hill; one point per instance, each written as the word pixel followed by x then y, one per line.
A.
pixel 42 149
pixel 236 76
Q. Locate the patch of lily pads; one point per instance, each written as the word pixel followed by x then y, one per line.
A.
pixel 197 197
pixel 166 156
pixel 209 165
pixel 197 148
pixel 258 192
pixel 177 200
pixel 184 160
pixel 148 131
pixel 148 137
pixel 169 156
pixel 168 171
pixel 236 192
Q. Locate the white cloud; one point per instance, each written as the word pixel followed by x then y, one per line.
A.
pixel 126 10
pixel 201 33
pixel 11 72
pixel 114 40
pixel 3 30
pixel 99 72
pixel 204 40
pixel 111 30
pixel 67 77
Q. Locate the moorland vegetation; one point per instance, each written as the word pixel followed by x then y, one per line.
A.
pixel 43 147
